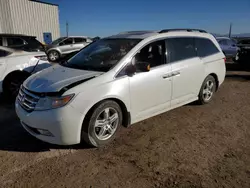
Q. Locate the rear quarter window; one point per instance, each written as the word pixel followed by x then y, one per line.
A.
pixel 205 47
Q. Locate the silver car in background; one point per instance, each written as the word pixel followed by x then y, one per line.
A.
pixel 65 45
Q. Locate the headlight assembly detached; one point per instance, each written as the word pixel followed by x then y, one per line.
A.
pixel 48 103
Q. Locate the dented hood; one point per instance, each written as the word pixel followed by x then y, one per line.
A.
pixel 55 78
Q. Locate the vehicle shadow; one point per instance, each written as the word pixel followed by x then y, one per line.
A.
pixel 14 138
pixel 238 66
pixel 239 76
pixel 238 71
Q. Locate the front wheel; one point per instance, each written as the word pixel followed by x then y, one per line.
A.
pixel 207 90
pixel 12 83
pixel 102 124
pixel 53 56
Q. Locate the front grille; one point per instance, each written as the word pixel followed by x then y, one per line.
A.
pixel 27 100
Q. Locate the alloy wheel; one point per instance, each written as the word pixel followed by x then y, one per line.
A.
pixel 106 123
pixel 208 90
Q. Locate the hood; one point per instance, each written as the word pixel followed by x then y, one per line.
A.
pixel 55 78
pixel 27 53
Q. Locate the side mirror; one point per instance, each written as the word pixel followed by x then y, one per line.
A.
pixel 233 45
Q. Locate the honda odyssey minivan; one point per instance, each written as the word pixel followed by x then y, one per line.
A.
pixel 118 81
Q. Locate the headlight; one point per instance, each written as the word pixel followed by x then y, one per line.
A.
pixel 47 103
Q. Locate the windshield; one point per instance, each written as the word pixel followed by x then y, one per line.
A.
pixel 58 40
pixel 101 55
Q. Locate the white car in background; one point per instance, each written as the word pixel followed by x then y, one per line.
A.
pixel 16 66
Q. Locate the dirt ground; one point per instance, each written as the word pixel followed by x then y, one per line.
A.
pixel 192 146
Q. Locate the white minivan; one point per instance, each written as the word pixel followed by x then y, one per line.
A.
pixel 120 80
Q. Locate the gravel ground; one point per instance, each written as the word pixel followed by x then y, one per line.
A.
pixel 192 146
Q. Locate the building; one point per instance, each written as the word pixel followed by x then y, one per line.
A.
pixel 30 17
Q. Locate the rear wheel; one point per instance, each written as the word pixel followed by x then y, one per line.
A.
pixel 207 90
pixel 12 83
pixel 102 124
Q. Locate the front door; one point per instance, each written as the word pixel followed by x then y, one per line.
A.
pixel 150 92
pixel 232 47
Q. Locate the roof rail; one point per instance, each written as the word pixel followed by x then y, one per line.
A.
pixel 136 32
pixel 188 30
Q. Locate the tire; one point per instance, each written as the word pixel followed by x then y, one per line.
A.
pixel 207 90
pixel 53 55
pixel 12 83
pixel 236 59
pixel 97 125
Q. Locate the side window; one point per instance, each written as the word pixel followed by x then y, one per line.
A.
pixel 14 41
pixel 153 53
pixel 223 42
pixel 1 41
pixel 205 47
pixel 67 41
pixel 230 42
pixel 180 49
pixel 3 53
pixel 80 40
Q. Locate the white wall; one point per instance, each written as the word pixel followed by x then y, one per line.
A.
pixel 28 17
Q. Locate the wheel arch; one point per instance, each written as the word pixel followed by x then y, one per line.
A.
pixel 125 113
pixel 54 49
pixel 4 83
pixel 15 72
pixel 216 79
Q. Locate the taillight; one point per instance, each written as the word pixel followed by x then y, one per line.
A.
pixel 42 57
pixel 225 59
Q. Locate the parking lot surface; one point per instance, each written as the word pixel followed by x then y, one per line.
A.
pixel 192 146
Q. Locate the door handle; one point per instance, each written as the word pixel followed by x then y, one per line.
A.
pixel 167 76
pixel 175 73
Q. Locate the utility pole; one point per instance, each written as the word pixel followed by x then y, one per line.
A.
pixel 67 29
pixel 230 30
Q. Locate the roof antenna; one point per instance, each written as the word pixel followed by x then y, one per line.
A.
pixel 67 28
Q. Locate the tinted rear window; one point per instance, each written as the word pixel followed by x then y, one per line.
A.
pixel 180 49
pixel 14 41
pixel 205 47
